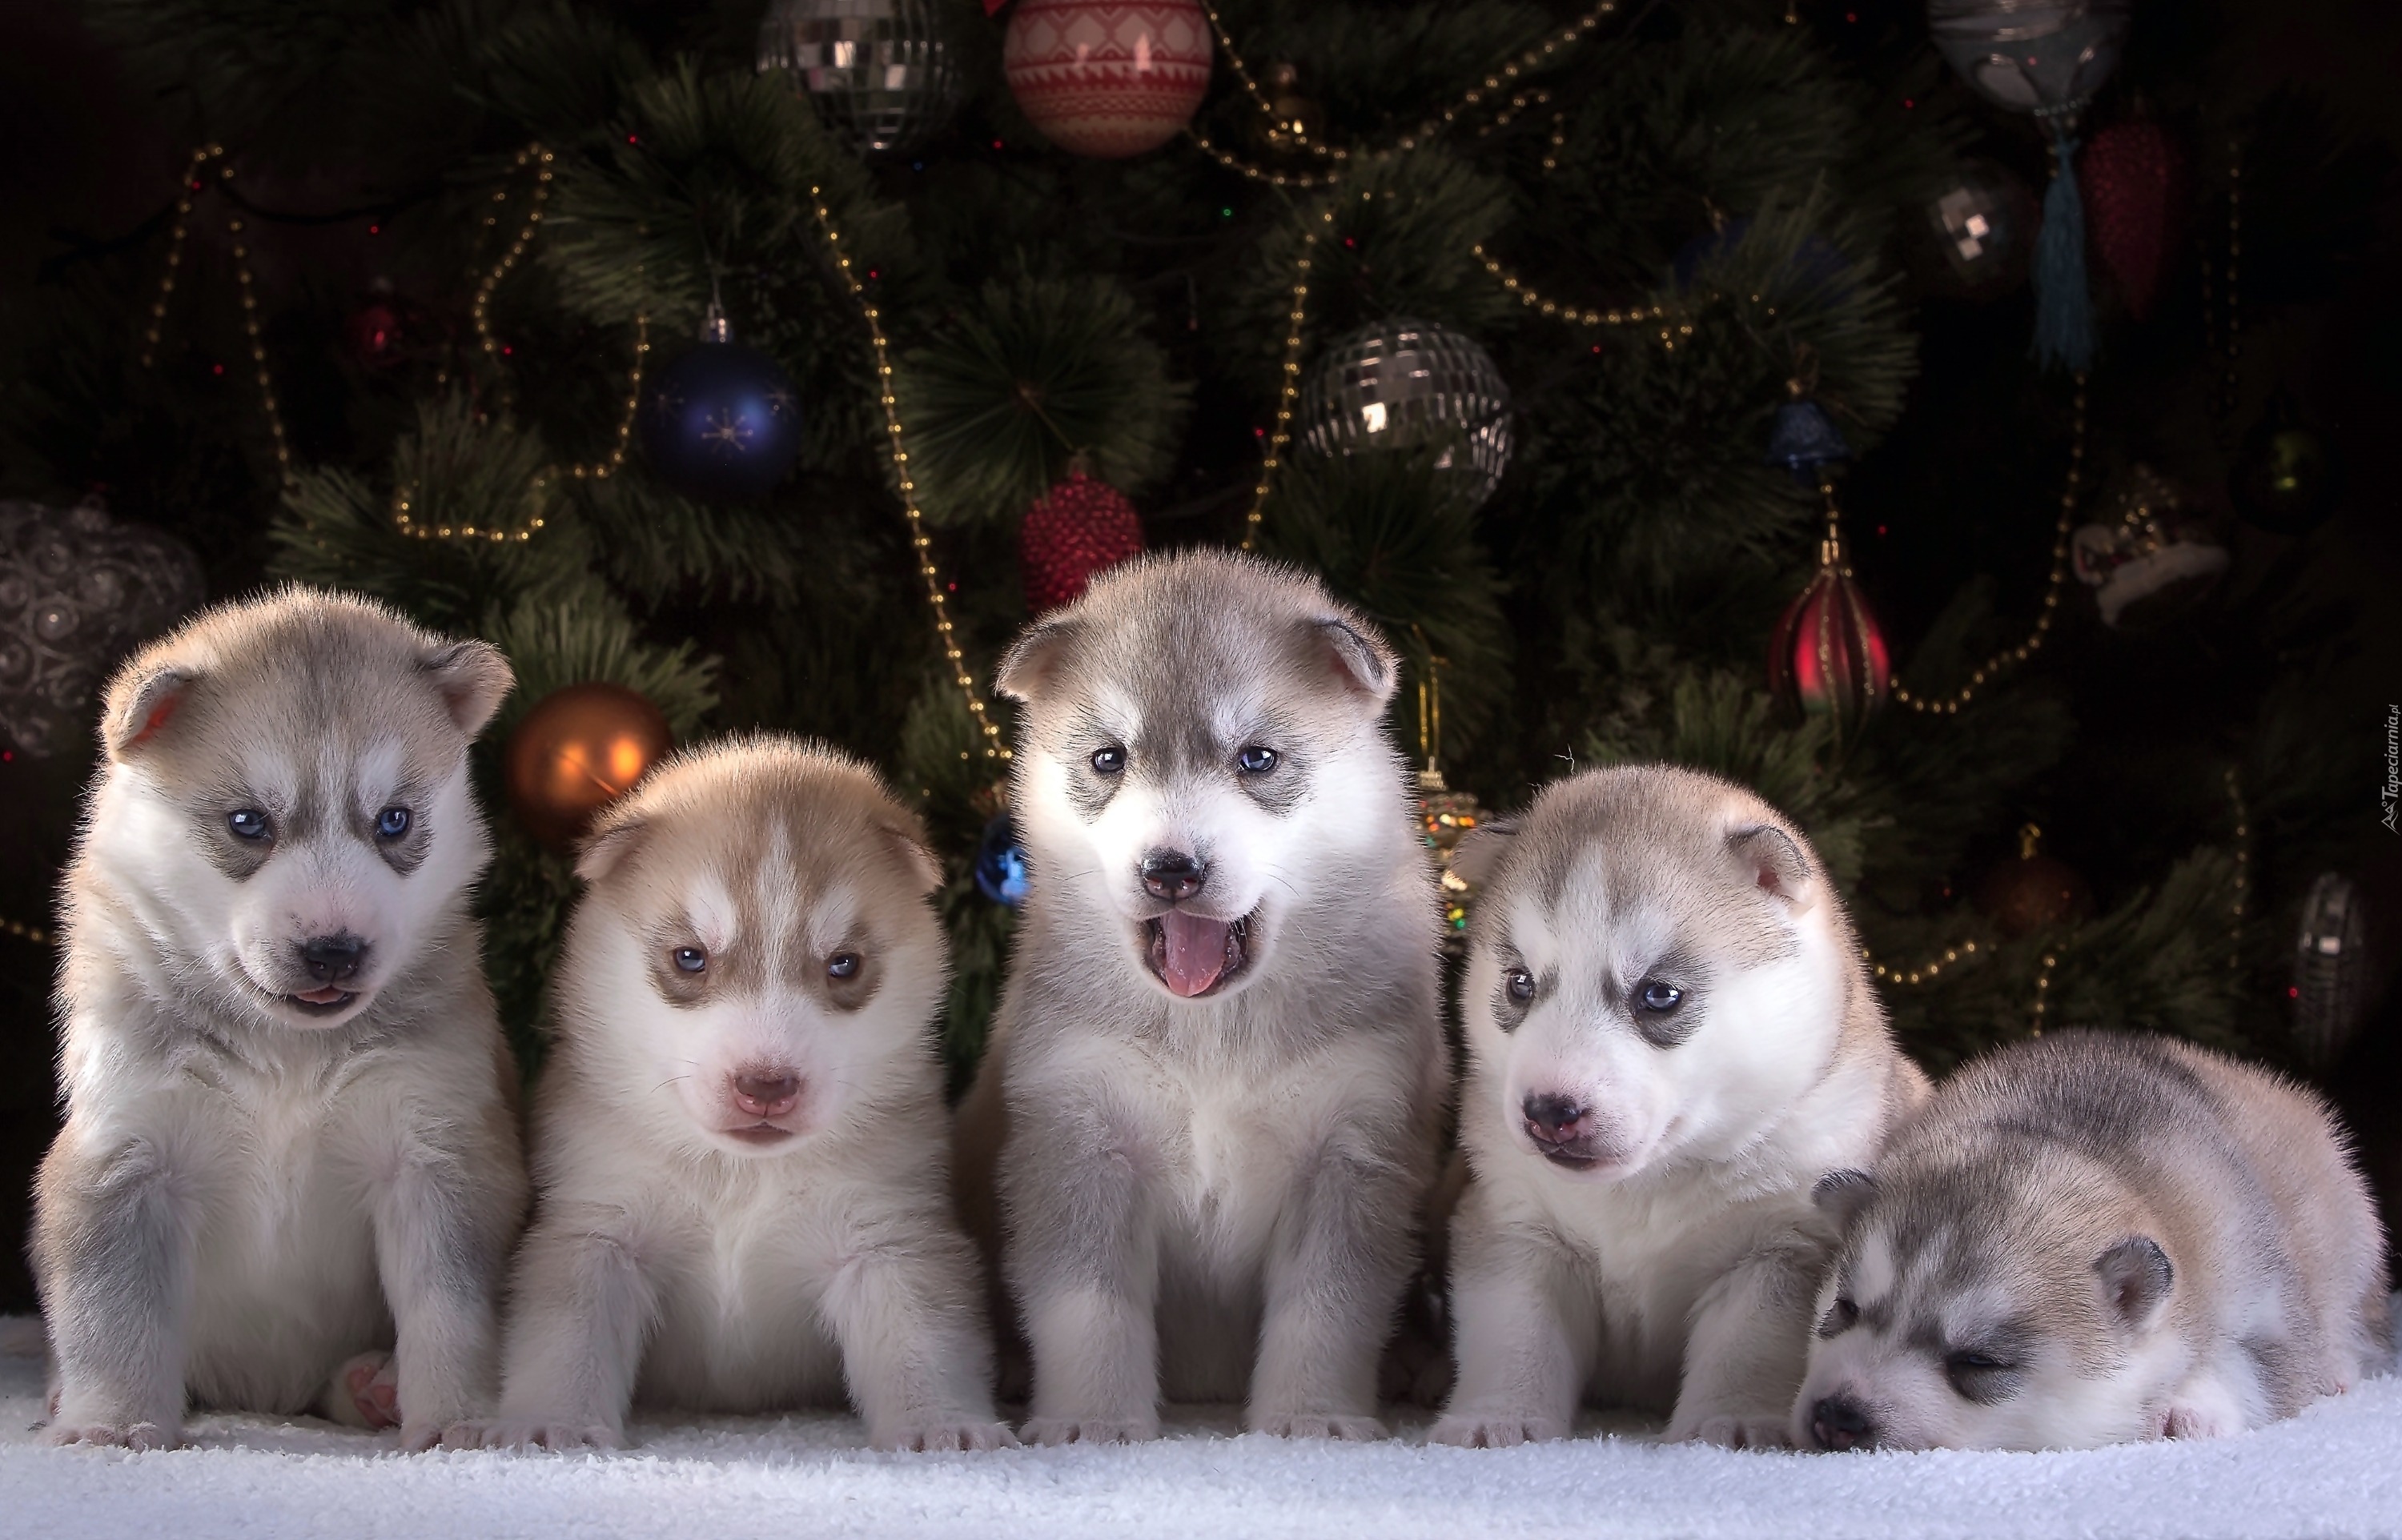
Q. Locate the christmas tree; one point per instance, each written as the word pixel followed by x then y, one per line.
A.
pixel 775 362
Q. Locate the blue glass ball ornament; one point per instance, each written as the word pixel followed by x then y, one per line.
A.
pixel 1000 873
pixel 1804 437
pixel 720 424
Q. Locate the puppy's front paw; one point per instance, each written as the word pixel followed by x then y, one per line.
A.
pixel 531 1433
pixel 939 1434
pixel 1736 1430
pixel 1051 1431
pixel 1467 1431
pixel 1315 1424
pixel 132 1436
pixel 366 1393
pixel 2197 1421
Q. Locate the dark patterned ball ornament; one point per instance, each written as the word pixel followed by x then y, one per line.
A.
pixel 1983 221
pixel 720 424
pixel 79 590
pixel 2044 57
pixel 1001 863
pixel 2133 176
pixel 878 71
pixel 1828 656
pixel 2034 891
pixel 2287 478
pixel 1076 530
pixel 579 750
pixel 2330 989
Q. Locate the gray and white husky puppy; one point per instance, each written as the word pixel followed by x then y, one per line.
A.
pixel 740 1148
pixel 1671 1035
pixel 1218 1062
pixel 2089 1239
pixel 289 1175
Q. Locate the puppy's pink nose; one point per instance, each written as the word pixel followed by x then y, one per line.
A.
pixel 766 1093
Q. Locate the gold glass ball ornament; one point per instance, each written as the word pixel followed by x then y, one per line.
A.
pixel 579 750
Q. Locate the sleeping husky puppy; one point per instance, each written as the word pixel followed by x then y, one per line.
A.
pixel 2088 1239
pixel 740 1146
pixel 1671 1036
pixel 289 1174
pixel 1217 1065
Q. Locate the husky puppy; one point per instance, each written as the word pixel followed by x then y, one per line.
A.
pixel 740 1148
pixel 2089 1239
pixel 1671 1036
pixel 1217 1065
pixel 289 1175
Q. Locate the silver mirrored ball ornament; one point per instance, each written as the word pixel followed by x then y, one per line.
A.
pixel 878 70
pixel 1403 384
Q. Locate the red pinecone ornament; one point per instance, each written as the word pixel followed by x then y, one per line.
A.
pixel 1078 528
pixel 2133 177
pixel 1827 655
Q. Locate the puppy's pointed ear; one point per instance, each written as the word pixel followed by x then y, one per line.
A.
pixel 1358 657
pixel 1026 668
pixel 1478 854
pixel 1841 1196
pixel 473 677
pixel 918 862
pixel 2136 1279
pixel 141 703
pixel 607 848
pixel 1775 863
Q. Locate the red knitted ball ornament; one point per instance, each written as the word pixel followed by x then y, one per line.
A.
pixel 2133 176
pixel 1108 78
pixel 1077 530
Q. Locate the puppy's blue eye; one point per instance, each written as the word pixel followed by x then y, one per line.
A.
pixel 393 822
pixel 1661 997
pixel 692 959
pixel 1109 760
pixel 842 965
pixel 1522 985
pixel 249 822
pixel 1257 760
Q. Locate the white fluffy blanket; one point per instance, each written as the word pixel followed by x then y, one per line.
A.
pixel 2336 1470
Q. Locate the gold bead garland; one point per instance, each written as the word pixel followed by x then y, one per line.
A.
pixel 34 933
pixel 1635 317
pixel 599 470
pixel 2242 870
pixel 2043 993
pixel 1288 385
pixel 1925 971
pixel 918 543
pixel 194 182
pixel 1950 705
pixel 1533 58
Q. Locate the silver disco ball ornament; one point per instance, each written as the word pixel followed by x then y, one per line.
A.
pixel 2038 56
pixel 1404 384
pixel 1983 220
pixel 876 69
pixel 2330 991
pixel 79 590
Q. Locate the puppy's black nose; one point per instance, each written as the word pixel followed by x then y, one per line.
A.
pixel 1553 1119
pixel 1171 875
pixel 1837 1422
pixel 331 960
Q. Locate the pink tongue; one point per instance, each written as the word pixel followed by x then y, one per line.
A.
pixel 326 996
pixel 1196 951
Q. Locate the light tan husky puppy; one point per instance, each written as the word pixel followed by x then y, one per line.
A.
pixel 740 1146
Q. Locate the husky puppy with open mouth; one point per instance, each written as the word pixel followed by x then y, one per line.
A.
pixel 2089 1239
pixel 740 1148
pixel 289 1175
pixel 1217 1065
pixel 1672 1036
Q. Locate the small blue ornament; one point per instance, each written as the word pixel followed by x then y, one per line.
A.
pixel 720 424
pixel 1001 863
pixel 1803 438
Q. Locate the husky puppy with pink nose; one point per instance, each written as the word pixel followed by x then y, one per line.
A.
pixel 1672 1039
pixel 742 1153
